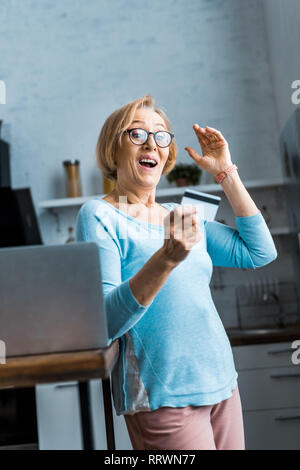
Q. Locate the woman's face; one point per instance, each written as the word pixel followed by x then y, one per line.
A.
pixel 130 171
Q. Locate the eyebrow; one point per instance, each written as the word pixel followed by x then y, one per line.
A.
pixel 157 124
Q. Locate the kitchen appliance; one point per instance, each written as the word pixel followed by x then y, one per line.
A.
pixel 18 226
pixel 4 162
pixel 18 221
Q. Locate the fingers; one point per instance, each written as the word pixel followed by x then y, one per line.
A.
pixel 191 242
pixel 186 209
pixel 183 219
pixel 208 135
pixel 183 232
pixel 214 133
pixel 203 140
pixel 180 214
pixel 195 155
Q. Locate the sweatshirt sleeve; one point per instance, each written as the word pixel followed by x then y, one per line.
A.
pixel 250 246
pixel 122 308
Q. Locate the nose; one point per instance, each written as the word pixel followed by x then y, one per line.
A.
pixel 150 142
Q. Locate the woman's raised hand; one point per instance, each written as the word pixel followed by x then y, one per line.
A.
pixel 181 233
pixel 216 156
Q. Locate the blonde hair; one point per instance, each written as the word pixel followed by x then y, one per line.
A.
pixel 109 140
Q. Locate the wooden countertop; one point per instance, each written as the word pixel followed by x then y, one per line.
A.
pixel 27 371
pixel 243 337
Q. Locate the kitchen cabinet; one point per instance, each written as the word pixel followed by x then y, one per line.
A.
pixel 272 429
pixel 58 417
pixel 269 385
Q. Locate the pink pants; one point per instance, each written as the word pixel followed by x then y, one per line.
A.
pixel 214 427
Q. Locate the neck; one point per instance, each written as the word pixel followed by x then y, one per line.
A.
pixel 144 197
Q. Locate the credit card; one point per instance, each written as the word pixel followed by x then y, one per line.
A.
pixel 208 203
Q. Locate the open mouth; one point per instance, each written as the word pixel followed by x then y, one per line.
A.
pixel 147 164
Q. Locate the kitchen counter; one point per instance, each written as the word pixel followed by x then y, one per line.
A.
pixel 78 366
pixel 243 337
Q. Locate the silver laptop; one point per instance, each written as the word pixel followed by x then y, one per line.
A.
pixel 51 299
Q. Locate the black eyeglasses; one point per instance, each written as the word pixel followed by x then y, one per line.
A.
pixel 140 136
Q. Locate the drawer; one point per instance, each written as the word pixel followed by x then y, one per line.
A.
pixel 263 355
pixel 263 389
pixel 273 429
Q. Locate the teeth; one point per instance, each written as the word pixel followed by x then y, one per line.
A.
pixel 148 160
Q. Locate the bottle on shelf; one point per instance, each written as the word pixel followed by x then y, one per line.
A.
pixel 108 185
pixel 70 238
pixel 73 178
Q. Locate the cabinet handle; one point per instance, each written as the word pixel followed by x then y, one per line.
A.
pixel 286 418
pixel 283 376
pixel 279 351
pixel 66 385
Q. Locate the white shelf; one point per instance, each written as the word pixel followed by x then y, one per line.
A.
pixel 66 202
pixel 164 192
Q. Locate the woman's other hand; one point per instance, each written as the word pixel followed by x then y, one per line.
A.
pixel 216 156
pixel 181 233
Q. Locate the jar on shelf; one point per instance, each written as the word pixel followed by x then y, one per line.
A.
pixel 72 178
pixel 108 185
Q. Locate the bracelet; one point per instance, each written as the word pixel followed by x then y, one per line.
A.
pixel 219 178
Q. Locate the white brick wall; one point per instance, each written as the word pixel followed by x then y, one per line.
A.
pixel 67 65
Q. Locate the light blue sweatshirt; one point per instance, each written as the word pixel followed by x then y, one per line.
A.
pixel 174 351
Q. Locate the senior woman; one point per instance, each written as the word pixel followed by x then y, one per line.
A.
pixel 175 381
